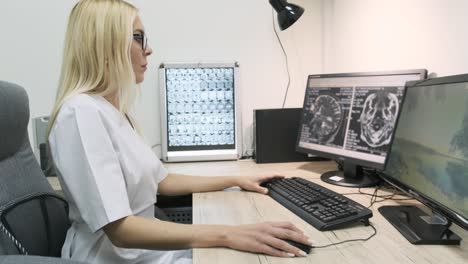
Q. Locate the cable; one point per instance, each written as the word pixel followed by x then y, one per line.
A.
pixel 340 164
pixel 374 196
pixel 285 56
pixel 351 240
pixel 368 171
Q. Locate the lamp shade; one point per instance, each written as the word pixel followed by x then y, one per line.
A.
pixel 288 13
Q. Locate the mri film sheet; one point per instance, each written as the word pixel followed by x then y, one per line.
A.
pixel 200 108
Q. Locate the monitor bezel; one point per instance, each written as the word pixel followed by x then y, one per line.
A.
pixel 459 219
pixel 421 72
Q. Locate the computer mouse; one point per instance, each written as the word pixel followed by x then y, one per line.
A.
pixel 304 247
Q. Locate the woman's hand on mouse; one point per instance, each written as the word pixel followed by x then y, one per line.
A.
pixel 252 183
pixel 267 238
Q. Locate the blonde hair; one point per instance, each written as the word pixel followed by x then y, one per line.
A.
pixel 96 56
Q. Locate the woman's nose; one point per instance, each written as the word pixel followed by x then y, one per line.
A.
pixel 148 51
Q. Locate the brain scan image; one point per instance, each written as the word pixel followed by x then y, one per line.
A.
pixel 199 105
pixel 327 118
pixel 378 118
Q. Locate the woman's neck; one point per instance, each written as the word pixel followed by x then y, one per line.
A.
pixel 113 99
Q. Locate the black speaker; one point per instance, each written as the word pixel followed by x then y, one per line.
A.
pixel 276 132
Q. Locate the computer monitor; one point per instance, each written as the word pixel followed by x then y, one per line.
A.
pixel 350 117
pixel 429 160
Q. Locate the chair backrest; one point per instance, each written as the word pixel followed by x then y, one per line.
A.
pixel 30 212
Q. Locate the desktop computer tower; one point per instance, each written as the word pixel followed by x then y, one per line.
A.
pixel 275 132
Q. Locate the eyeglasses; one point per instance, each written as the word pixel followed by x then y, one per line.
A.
pixel 142 40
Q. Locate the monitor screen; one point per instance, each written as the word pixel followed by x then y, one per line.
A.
pixel 351 117
pixel 429 154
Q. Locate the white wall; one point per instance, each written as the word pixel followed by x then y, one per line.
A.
pixel 227 31
pixel 333 36
pixel 368 35
pixel 31 37
pixel 32 34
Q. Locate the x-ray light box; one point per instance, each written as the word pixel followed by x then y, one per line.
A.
pixel 200 112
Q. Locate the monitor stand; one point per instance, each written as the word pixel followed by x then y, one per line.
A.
pixel 351 176
pixel 420 228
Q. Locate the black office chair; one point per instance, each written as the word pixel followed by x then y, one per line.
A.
pixel 33 219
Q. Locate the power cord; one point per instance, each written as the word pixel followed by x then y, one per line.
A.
pixel 375 196
pixel 366 170
pixel 155 145
pixel 339 164
pixel 285 56
pixel 351 240
pixel 247 157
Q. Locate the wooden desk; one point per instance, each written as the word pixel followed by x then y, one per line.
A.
pixel 237 207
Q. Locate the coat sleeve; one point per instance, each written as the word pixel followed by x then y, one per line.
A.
pixel 83 153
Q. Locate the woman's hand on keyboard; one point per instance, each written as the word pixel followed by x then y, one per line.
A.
pixel 252 183
pixel 267 238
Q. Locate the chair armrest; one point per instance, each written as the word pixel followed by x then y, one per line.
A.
pixel 21 259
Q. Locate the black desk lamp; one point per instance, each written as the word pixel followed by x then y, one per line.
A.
pixel 288 13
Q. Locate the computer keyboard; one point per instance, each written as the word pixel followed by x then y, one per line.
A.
pixel 317 205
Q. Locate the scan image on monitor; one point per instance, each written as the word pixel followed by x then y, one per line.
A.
pixel 351 117
pixel 373 117
pixel 326 115
pixel 429 154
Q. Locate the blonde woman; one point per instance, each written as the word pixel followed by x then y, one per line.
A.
pixel 109 175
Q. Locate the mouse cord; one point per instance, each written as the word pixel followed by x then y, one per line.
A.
pixel 350 240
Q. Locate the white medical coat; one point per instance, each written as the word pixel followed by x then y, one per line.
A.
pixel 107 172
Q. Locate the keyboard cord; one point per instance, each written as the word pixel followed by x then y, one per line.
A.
pixel 350 240
pixel 374 197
